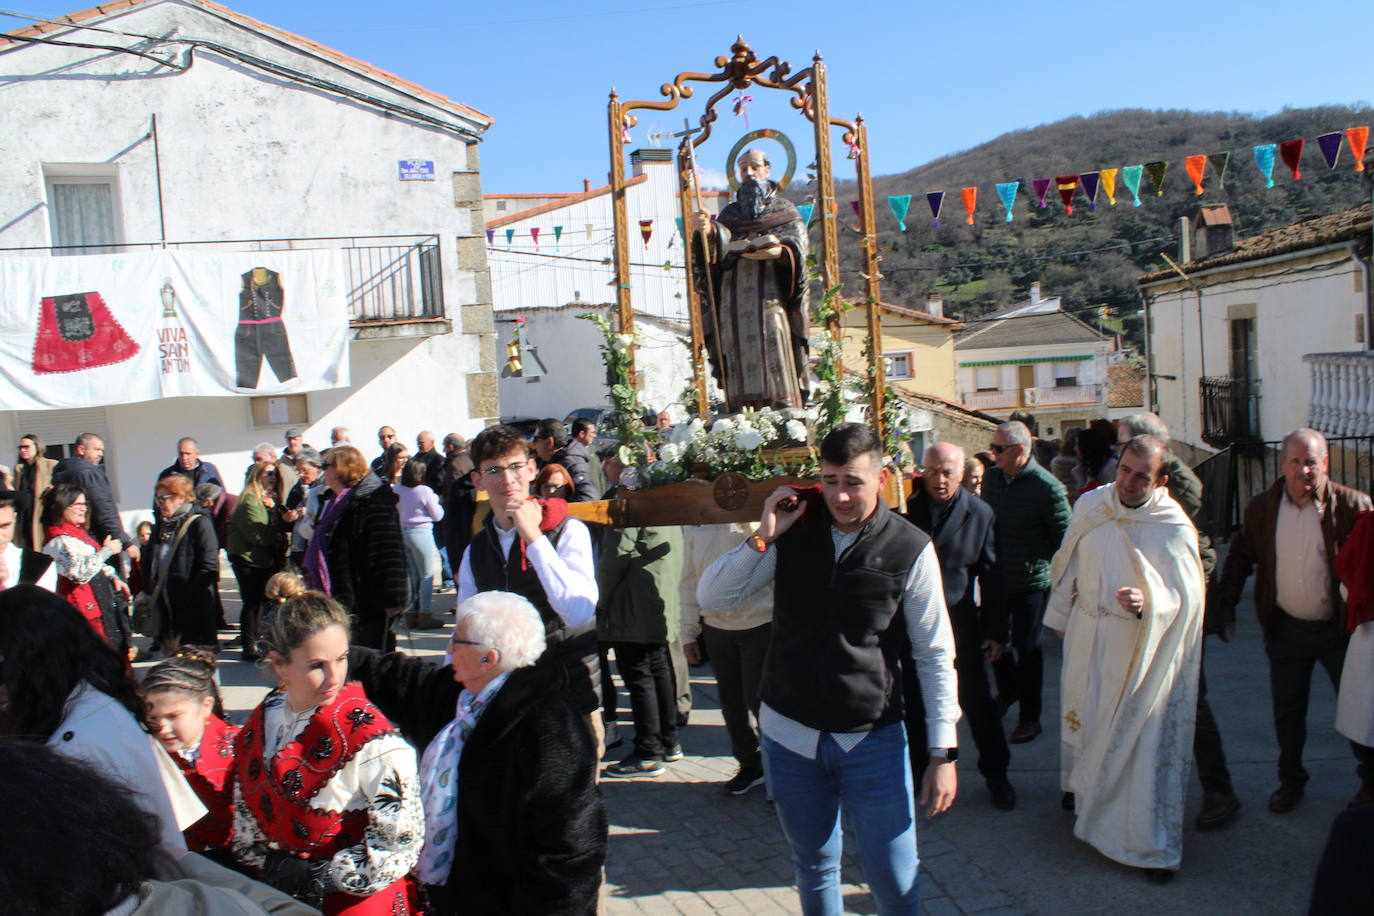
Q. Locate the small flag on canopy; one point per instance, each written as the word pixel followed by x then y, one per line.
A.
pixel 1006 190
pixel 1218 162
pixel 646 229
pixel 805 211
pixel 1130 177
pixel 1042 187
pixel 491 236
pixel 534 234
pixel 1067 185
pixel 1358 137
pixel 899 203
pixel 970 196
pixel 1331 147
pixel 557 234
pixel 1109 184
pixel 1156 172
pixel 936 200
pixel 1291 151
pixel 510 236
pixel 1264 159
pixel 1088 182
pixel 1197 168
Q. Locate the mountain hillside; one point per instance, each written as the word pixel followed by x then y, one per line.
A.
pixel 992 263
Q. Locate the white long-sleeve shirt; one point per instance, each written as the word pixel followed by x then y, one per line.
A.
pixel 567 572
pixel 736 575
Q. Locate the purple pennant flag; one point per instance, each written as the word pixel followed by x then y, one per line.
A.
pixel 1088 182
pixel 858 215
pixel 936 200
pixel 1042 187
pixel 491 236
pixel 1331 147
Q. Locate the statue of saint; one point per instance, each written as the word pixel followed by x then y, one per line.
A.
pixel 751 267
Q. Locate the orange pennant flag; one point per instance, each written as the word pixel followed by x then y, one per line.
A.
pixel 1197 167
pixel 1358 137
pixel 1109 184
pixel 970 202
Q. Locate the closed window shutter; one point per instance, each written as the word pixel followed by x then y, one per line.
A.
pixel 59 428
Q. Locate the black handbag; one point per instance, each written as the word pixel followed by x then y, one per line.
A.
pixel 144 608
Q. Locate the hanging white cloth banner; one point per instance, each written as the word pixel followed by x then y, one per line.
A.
pixel 116 329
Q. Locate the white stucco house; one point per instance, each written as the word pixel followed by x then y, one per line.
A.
pixel 1264 334
pixel 1033 356
pixel 550 256
pixel 192 127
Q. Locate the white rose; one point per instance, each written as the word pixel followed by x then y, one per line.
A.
pixel 669 452
pixel 796 430
pixel 748 439
pixel 723 425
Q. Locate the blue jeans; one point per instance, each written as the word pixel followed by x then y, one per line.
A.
pixel 873 783
pixel 420 558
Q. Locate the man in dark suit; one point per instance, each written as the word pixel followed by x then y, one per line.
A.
pixel 960 525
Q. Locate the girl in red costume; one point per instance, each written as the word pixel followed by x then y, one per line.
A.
pixel 326 792
pixel 184 714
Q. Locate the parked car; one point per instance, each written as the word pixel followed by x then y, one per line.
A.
pixel 526 425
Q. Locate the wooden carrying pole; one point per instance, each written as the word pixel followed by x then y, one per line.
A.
pixel 872 278
pixel 825 190
pixel 619 123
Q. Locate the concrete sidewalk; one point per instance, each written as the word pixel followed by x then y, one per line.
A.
pixel 679 844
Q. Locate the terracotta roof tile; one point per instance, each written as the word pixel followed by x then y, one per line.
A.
pixel 1312 232
pixel 41 29
pixel 1125 386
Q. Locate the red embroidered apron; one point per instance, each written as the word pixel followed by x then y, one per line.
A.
pixel 78 332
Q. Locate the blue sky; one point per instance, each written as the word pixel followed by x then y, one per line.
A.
pixel 930 78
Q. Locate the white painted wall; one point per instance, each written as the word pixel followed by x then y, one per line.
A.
pixel 243 155
pixel 1315 313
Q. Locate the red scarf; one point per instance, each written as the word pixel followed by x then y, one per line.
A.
pixel 79 594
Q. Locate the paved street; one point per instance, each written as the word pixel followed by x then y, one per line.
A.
pixel 680 845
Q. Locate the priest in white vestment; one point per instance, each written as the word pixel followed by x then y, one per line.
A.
pixel 1127 598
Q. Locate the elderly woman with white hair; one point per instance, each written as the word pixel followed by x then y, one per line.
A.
pixel 514 822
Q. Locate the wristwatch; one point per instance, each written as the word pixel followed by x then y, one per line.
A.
pixel 950 754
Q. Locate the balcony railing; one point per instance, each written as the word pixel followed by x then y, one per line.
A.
pixel 390 278
pixel 1230 411
pixel 1342 400
pixel 1013 398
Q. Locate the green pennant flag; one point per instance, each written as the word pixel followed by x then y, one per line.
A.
pixel 557 234
pixel 1156 172
pixel 1218 162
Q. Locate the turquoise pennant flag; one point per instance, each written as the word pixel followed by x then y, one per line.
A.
pixel 557 234
pixel 510 236
pixel 805 211
pixel 899 203
pixel 678 220
pixel 1130 177
pixel 1006 190
pixel 1264 158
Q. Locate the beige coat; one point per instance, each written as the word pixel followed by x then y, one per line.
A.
pixel 32 534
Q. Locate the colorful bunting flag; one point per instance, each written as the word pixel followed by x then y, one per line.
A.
pixel 1067 185
pixel 1109 184
pixel 1291 151
pixel 1042 187
pixel 970 196
pixel 899 203
pixel 557 234
pixel 1130 177
pixel 1197 167
pixel 1156 172
pixel 491 236
pixel 646 229
pixel 1358 137
pixel 1218 162
pixel 680 231
pixel 1007 191
pixel 1264 158
pixel 1088 182
pixel 805 211
pixel 1331 147
pixel 534 234
pixel 936 200
pixel 858 215
pixel 510 236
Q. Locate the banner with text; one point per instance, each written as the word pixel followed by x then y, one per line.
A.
pixel 115 329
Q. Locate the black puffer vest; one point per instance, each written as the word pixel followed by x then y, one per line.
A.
pixel 833 663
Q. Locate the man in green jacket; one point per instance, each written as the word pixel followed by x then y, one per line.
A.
pixel 638 613
pixel 1032 512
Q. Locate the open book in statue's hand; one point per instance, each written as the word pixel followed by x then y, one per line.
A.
pixel 758 243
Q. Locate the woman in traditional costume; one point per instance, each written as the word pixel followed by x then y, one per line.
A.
pixel 84 577
pixel 326 793
pixel 184 713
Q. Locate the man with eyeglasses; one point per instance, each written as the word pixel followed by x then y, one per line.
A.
pixel 533 549
pixel 1032 513
pixel 960 526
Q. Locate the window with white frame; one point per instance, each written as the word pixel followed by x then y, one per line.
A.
pixel 1066 375
pixel 987 378
pixel 83 209
pixel 898 365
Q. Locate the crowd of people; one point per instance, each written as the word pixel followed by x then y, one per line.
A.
pixel 847 641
